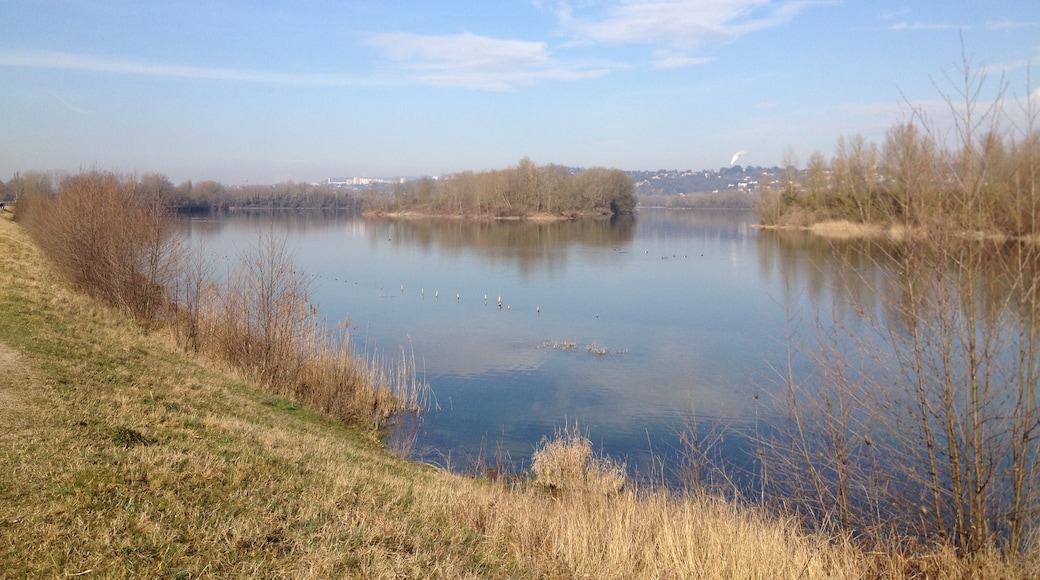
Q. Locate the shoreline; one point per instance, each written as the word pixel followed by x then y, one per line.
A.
pixel 844 229
pixel 538 217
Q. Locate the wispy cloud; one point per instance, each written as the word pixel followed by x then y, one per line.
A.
pixel 678 25
pixel 1000 25
pixel 914 26
pixel 71 106
pixel 1005 67
pixel 86 62
pixel 667 59
pixel 892 14
pixel 478 62
pixel 464 60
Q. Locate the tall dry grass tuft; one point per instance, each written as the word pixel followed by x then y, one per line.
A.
pixel 644 535
pixel 566 463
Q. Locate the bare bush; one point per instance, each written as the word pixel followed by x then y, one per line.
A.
pixel 923 420
pixel 261 321
pixel 112 238
pixel 107 239
pixel 190 293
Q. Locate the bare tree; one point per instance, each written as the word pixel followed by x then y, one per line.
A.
pixel 923 416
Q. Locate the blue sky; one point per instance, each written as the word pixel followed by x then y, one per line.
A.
pixel 265 91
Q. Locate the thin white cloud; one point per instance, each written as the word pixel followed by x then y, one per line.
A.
pixel 892 14
pixel 465 50
pixel 666 59
pixel 678 25
pixel 1010 25
pixel 473 61
pixel 914 26
pixel 91 63
pixel 464 60
pixel 72 107
pixel 999 68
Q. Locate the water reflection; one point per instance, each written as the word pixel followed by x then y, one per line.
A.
pixel 894 279
pixel 691 308
pixel 673 315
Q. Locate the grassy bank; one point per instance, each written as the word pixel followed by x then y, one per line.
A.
pixel 122 457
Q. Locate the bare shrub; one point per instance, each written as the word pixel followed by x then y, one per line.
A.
pixel 107 239
pixel 267 300
pixel 261 321
pixel 566 463
pixel 703 467
pixel 923 419
pixel 190 291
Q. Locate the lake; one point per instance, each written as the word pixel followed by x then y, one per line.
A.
pixel 635 329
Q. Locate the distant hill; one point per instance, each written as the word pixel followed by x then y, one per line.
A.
pixel 676 182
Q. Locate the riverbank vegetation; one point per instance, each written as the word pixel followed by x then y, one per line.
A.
pixel 527 190
pixel 202 196
pixel 922 418
pixel 117 244
pixel 977 178
pixel 123 455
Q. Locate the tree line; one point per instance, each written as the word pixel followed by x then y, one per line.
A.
pixel 199 196
pixel 981 180
pixel 518 191
pixel 515 192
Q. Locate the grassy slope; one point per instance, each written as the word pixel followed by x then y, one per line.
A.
pixel 121 457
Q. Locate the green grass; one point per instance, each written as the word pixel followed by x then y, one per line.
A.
pixel 121 457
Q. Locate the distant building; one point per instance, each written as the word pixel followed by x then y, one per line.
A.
pixel 359 181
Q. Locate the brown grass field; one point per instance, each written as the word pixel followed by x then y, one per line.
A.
pixel 121 457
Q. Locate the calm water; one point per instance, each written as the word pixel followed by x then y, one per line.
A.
pixel 671 316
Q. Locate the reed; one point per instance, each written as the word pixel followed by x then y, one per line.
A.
pixel 261 322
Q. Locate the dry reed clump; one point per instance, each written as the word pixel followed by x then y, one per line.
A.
pixel 643 535
pixel 271 333
pixel 566 463
pixel 844 229
pixel 661 534
pixel 560 345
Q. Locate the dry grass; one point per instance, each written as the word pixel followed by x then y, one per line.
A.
pixel 262 322
pixel 844 229
pixel 566 463
pixel 121 457
pixel 116 244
